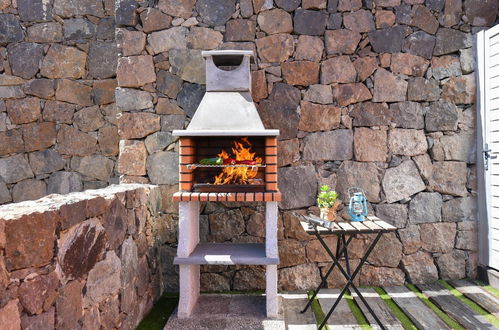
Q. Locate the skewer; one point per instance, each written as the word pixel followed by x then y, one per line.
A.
pixel 253 167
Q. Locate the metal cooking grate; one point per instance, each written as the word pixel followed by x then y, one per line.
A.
pixel 194 166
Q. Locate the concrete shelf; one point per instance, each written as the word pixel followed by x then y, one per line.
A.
pixel 227 254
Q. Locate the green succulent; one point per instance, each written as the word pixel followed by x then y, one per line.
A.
pixel 326 197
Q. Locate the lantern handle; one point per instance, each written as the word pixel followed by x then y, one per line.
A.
pixel 353 190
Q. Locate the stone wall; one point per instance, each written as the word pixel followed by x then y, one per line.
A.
pixel 57 115
pixel 377 94
pixel 83 260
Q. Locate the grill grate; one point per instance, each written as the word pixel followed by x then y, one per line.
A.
pixel 194 166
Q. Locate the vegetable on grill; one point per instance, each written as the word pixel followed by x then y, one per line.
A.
pixel 212 161
pixel 246 162
pixel 232 161
pixel 229 161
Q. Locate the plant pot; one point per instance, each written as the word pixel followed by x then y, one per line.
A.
pixel 324 212
pixel 329 213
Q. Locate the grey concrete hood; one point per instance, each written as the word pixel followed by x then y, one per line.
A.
pixel 227 108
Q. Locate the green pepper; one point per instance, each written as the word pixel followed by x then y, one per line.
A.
pixel 211 161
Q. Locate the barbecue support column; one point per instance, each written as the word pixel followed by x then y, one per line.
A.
pixel 272 252
pixel 271 291
pixel 188 238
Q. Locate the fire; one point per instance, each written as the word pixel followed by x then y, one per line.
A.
pixel 239 174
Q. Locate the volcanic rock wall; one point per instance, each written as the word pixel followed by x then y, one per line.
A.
pixel 374 94
pixel 86 260
pixel 57 116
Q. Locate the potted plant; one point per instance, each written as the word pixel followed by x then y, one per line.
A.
pixel 328 203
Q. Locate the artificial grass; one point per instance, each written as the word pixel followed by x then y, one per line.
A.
pixel 475 307
pixel 404 319
pixel 446 318
pixel 317 309
pixel 357 312
pixel 159 314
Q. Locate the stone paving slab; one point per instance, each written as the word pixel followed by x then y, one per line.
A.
pixel 454 307
pixel 480 296
pixel 379 307
pixel 292 304
pixel 420 314
pixel 342 317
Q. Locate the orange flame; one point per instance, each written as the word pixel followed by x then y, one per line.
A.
pixel 238 175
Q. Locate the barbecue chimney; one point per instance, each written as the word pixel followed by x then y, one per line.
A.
pixel 227 108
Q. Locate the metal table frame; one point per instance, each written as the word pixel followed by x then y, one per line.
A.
pixel 342 230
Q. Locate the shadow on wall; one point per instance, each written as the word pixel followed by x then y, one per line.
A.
pixel 58 130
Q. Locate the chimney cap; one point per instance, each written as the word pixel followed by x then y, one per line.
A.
pixel 228 57
pixel 207 53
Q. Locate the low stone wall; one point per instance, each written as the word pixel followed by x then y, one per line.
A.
pixel 83 260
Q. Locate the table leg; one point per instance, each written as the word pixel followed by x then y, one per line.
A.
pixel 345 254
pixel 357 290
pixel 339 250
pixel 350 280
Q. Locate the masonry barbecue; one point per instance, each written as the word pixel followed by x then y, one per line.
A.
pixel 226 155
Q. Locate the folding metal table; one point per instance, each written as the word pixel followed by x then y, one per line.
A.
pixel 345 231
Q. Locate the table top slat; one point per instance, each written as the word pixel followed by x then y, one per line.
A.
pixel 359 226
pixel 346 226
pixel 320 229
pixel 385 225
pixel 304 225
pixel 336 227
pixel 372 225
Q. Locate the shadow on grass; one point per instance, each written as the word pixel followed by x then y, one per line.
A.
pixel 159 314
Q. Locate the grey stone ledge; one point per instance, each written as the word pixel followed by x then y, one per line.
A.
pixel 55 201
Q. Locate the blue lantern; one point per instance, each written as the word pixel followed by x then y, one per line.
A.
pixel 357 207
